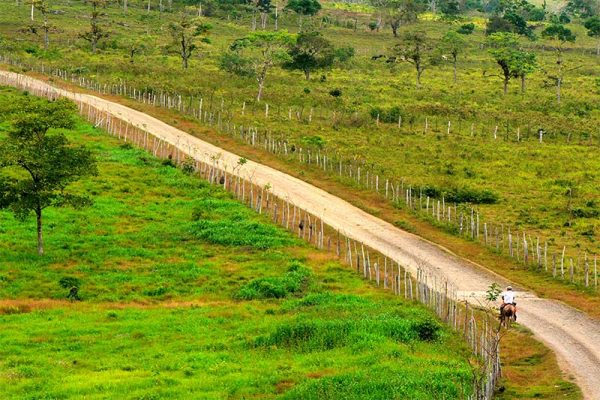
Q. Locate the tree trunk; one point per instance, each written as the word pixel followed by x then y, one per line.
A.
pixel 261 81
pixel 94 44
pixel 40 236
pixel 307 74
pixel 522 83
pixel 32 10
pixel 419 72
pixel 148 10
pixel 125 5
pixel 454 64
pixel 46 29
pixel 506 79
pixel 394 29
pixel 558 85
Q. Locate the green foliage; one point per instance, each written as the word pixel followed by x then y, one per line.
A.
pixel 310 52
pixel 293 282
pixel 559 33
pixel 304 7
pixel 493 292
pixel 462 195
pixel 593 26
pixel 466 29
pixel 388 115
pixel 68 282
pixel 37 167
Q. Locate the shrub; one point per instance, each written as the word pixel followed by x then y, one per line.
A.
pixel 335 92
pixel 466 29
pixel 462 195
pixel 68 282
pixel 427 330
pixel 388 115
pixel 294 281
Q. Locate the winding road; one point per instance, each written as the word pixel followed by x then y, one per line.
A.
pixel 573 336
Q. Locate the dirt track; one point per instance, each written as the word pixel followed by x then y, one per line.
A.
pixel 573 336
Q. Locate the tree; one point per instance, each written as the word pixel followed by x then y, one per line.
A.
pixel 452 43
pixel 263 7
pixel 255 55
pixel 44 8
pixel 38 167
pixel 303 8
pixel 415 49
pixel 310 52
pixel 502 47
pixel 582 8
pixel 400 12
pixel 186 32
pixel 560 35
pixel 136 46
pixel 522 64
pixel 593 27
pixel 96 32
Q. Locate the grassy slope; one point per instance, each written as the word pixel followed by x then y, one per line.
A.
pixel 533 199
pixel 158 318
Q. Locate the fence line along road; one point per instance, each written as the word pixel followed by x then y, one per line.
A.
pixel 572 335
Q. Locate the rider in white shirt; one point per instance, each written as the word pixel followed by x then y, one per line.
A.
pixel 509 297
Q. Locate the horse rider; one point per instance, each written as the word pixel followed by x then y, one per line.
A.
pixel 508 297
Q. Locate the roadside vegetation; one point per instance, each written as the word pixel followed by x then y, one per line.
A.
pixel 170 304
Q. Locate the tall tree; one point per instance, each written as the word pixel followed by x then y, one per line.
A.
pixel 593 27
pixel 453 44
pixel 97 31
pixel 256 54
pixel 522 64
pixel 399 12
pixel 186 33
pixel 559 35
pixel 310 52
pixel 303 8
pixel 38 166
pixel 44 8
pixel 415 48
pixel 502 47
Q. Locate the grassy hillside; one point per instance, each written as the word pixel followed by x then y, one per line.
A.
pixel 535 198
pixel 174 305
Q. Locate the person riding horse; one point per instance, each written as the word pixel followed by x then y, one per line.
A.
pixel 509 297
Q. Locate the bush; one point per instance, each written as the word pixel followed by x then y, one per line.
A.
pixel 335 92
pixel 389 115
pixel 68 282
pixel 466 29
pixel 427 330
pixel 462 195
pixel 294 281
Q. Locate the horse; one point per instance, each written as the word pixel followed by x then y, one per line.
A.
pixel 507 315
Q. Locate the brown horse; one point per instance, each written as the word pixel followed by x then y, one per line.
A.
pixel 507 315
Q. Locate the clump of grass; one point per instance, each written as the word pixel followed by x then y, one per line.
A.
pixel 232 232
pixel 319 334
pixel 294 281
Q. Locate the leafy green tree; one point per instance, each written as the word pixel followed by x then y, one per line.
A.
pixel 46 27
pixel 310 52
pixel 256 54
pixel 582 8
pixel 452 44
pixel 186 33
pixel 415 49
pixel 135 46
pixel 502 47
pixel 38 167
pixel 399 12
pixel 304 8
pixel 263 7
pixel 559 35
pixel 97 32
pixel 593 27
pixel 522 64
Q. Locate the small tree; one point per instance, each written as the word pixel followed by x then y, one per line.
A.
pixel 44 8
pixel 559 35
pixel 186 33
pixel 453 44
pixel 255 55
pixel 593 27
pixel 502 47
pixel 38 167
pixel 400 12
pixel 310 52
pixel 96 32
pixel 522 64
pixel 304 8
pixel 415 49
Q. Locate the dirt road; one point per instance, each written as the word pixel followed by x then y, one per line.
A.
pixel 573 336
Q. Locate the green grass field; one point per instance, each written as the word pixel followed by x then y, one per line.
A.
pixel 534 198
pixel 175 306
